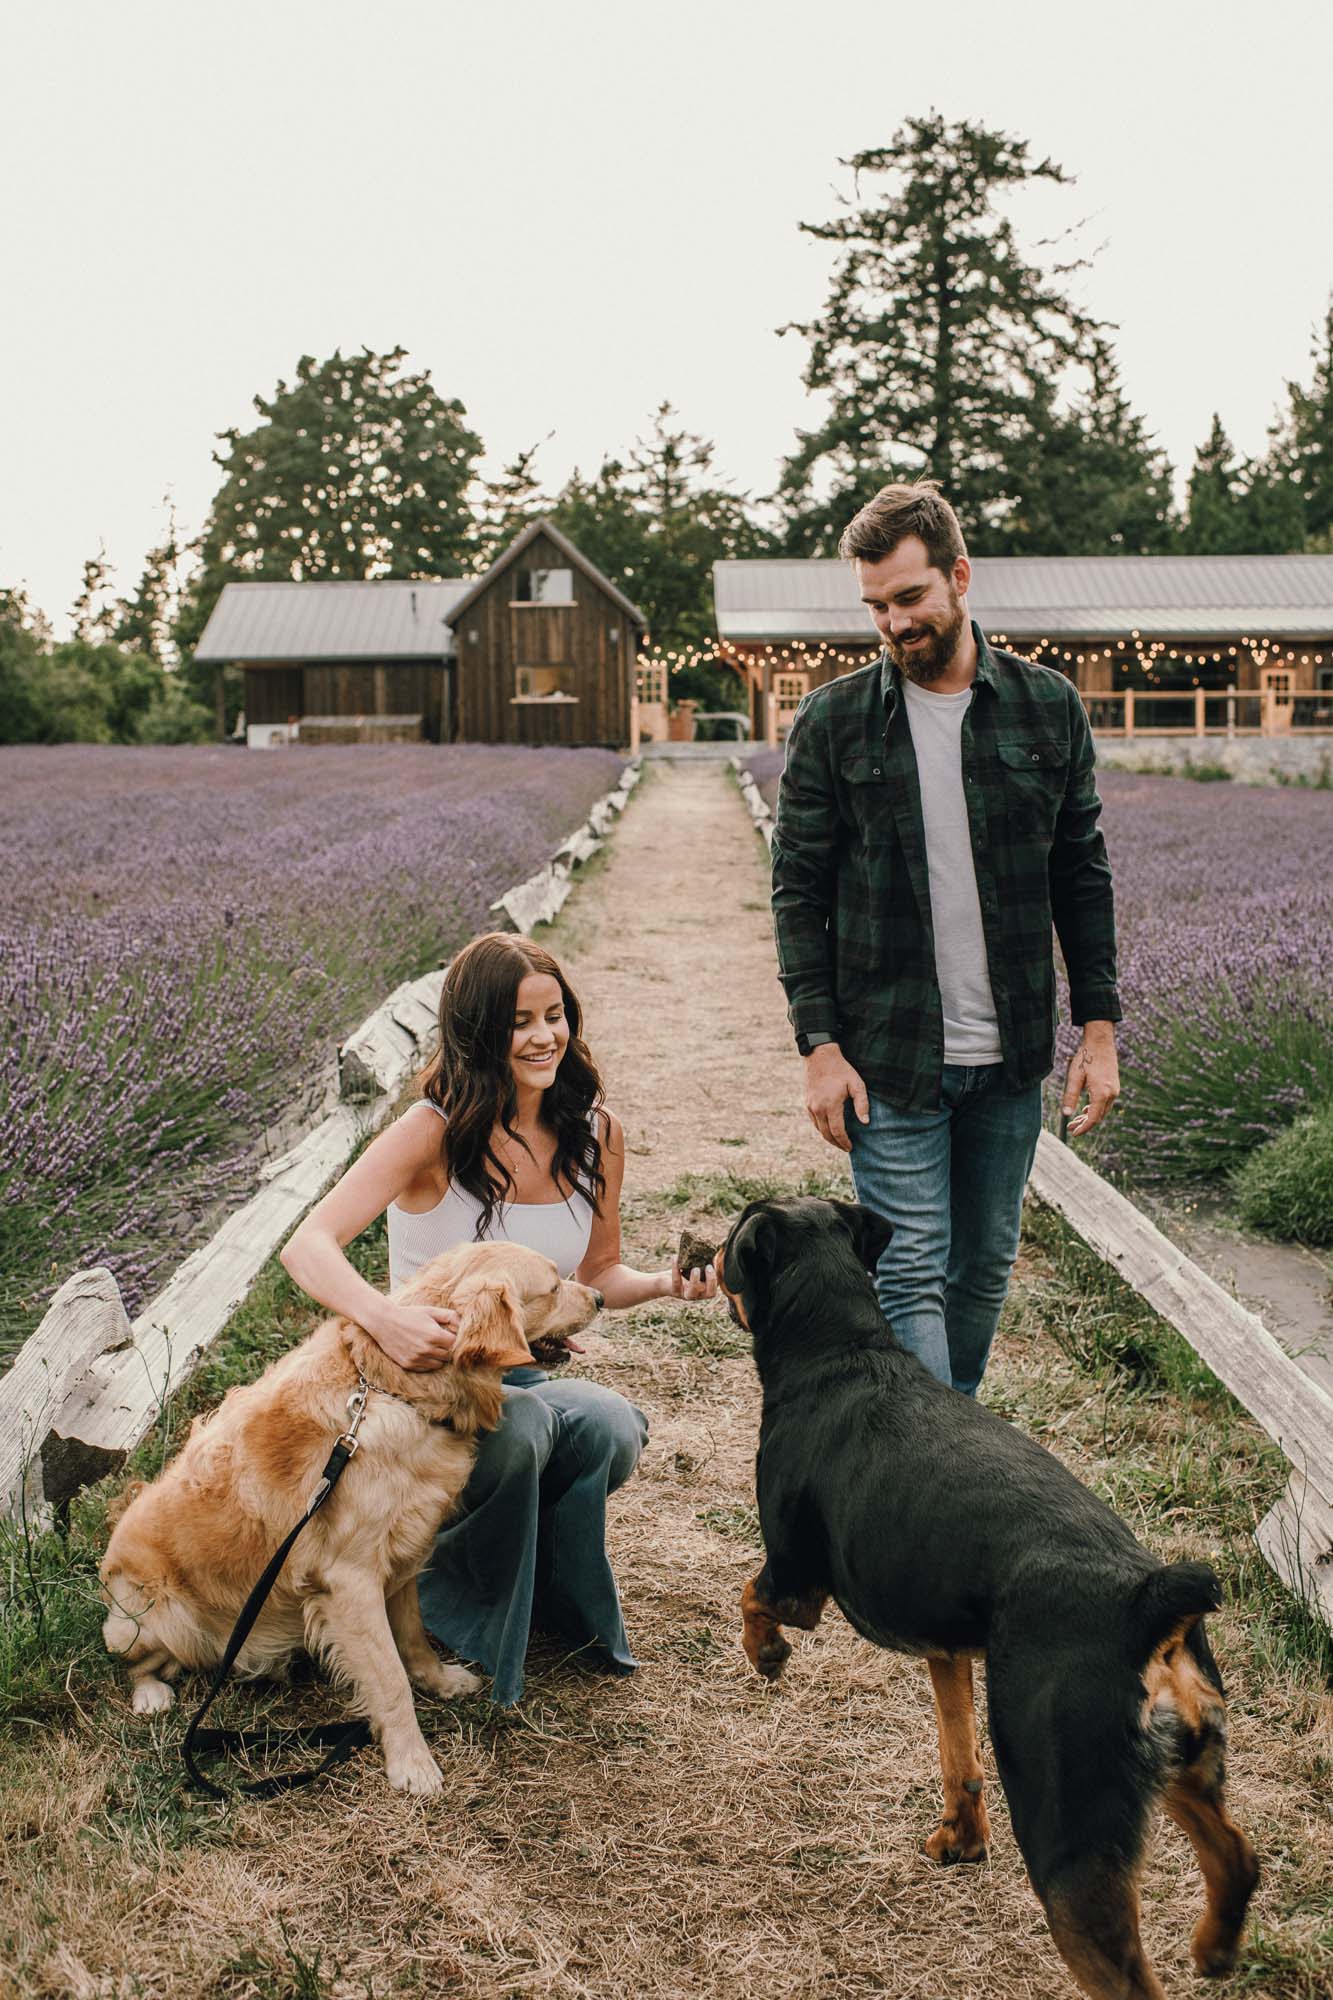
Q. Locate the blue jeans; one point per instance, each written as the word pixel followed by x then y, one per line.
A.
pixel 529 1540
pixel 951 1182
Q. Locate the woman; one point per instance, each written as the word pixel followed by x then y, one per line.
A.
pixel 510 1140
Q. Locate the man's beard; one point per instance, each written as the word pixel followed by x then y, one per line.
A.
pixel 924 664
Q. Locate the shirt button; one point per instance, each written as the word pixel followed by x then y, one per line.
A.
pixel 1036 756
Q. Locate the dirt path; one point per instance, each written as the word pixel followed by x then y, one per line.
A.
pixel 671 952
pixel 686 1833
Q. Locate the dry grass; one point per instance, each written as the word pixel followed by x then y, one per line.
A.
pixel 688 1831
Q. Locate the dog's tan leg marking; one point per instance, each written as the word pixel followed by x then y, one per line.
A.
pixel 761 1636
pixel 1178 1686
pixel 1094 1920
pixel 964 1829
pixel 1227 1861
pixel 348 1622
pixel 424 1666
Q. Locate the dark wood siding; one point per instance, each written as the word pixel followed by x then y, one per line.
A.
pixel 272 694
pixel 591 639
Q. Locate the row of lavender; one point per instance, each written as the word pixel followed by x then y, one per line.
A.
pixel 1224 897
pixel 185 934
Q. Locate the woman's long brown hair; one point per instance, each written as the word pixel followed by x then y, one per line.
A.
pixel 472 1082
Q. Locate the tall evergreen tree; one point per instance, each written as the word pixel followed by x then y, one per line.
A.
pixel 935 331
pixel 655 522
pixel 93 612
pixel 1089 479
pixel 1213 524
pixel 143 623
pixel 508 503
pixel 1312 434
pixel 355 469
pixel 1242 506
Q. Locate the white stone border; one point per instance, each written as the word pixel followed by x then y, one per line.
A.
pixel 87 1386
pixel 754 799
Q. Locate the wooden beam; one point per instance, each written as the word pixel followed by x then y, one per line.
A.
pixel 1295 1411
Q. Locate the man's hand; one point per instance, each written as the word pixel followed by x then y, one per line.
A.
pixel 829 1081
pixel 415 1337
pixel 1095 1070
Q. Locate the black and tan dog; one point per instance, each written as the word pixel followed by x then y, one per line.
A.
pixel 940 1530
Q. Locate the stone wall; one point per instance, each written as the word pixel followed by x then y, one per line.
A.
pixel 1252 760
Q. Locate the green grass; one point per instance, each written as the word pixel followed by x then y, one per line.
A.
pixel 51 1652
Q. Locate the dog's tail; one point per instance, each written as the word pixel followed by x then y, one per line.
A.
pixel 1169 1601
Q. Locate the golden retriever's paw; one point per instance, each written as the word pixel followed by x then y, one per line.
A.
pixel 151 1697
pixel 414 1770
pixel 447 1681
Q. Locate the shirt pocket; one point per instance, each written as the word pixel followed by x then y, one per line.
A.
pixel 866 786
pixel 1033 775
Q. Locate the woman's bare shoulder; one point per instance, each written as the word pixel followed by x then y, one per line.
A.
pixel 610 1130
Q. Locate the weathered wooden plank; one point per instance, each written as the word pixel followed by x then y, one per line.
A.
pixel 536 901
pixel 580 847
pixel 1296 1538
pixel 1235 1343
pixel 84 1322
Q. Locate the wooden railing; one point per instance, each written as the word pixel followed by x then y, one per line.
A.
pixel 1224 712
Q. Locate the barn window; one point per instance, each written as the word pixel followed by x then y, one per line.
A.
pixel 544 684
pixel 544 586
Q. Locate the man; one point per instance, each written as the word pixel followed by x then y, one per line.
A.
pixel 937 811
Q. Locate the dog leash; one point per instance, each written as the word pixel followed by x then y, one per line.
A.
pixel 342 1738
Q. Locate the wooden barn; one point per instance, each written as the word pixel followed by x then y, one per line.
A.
pixel 1215 643
pixel 541 649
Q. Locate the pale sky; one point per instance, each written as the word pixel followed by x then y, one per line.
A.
pixel 567 213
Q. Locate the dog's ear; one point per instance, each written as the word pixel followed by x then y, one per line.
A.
pixel 870 1232
pixel 490 1333
pixel 747 1257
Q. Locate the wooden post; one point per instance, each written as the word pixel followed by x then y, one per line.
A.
pixel 1199 711
pixel 634 725
pixel 771 726
pixel 220 703
pixel 1129 712
pixel 1231 709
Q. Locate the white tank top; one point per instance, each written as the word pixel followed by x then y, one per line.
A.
pixel 559 1229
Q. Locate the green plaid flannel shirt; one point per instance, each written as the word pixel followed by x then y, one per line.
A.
pixel 851 894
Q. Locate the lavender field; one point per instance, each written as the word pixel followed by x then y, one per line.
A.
pixel 185 934
pixel 1224 897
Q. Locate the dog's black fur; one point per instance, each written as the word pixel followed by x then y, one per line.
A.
pixel 941 1530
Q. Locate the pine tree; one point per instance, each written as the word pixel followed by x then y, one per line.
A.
pixel 143 623
pixel 1312 434
pixel 655 523
pixel 508 503
pixel 1213 523
pixel 1089 479
pixel 93 612
pixel 939 338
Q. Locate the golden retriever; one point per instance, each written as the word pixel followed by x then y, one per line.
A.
pixel 187 1548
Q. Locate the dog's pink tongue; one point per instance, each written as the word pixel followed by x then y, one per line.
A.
pixel 574 1346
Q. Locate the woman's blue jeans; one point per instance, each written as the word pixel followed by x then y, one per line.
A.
pixel 951 1182
pixel 529 1540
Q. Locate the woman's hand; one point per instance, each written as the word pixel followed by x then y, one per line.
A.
pixel 693 1284
pixel 415 1337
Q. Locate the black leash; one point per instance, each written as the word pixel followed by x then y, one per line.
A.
pixel 341 1737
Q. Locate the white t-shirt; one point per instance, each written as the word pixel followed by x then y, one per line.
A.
pixel 971 1032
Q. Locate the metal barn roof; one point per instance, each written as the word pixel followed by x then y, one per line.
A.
pixel 386 619
pixel 1032 597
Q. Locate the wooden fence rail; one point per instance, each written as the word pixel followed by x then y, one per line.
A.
pixel 87 1386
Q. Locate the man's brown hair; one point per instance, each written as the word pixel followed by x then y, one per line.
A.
pixel 908 507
